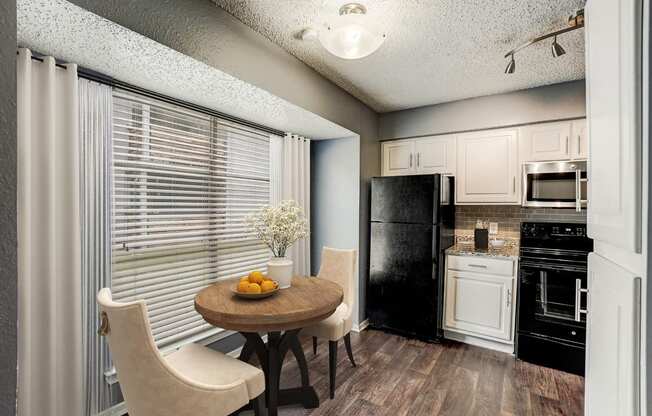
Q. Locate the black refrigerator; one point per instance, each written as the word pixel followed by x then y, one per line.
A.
pixel 412 224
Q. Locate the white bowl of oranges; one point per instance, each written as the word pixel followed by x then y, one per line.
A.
pixel 255 286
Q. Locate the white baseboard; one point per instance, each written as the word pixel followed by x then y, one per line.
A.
pixel 480 342
pixel 361 326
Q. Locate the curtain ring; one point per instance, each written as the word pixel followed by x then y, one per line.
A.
pixel 104 328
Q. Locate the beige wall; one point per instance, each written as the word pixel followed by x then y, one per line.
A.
pixel 553 102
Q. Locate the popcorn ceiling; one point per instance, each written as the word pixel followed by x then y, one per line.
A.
pixel 436 51
pixel 73 34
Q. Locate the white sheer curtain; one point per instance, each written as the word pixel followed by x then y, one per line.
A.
pixel 49 276
pixel 95 131
pixel 290 170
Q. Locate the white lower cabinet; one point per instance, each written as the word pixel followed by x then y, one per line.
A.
pixel 480 297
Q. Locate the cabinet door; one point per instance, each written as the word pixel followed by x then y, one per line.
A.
pixel 398 158
pixel 579 140
pixel 614 87
pixel 479 304
pixel 487 166
pixel 547 141
pixel 613 339
pixel 436 154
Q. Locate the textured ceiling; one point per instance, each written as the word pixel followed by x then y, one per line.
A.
pixel 70 33
pixel 436 51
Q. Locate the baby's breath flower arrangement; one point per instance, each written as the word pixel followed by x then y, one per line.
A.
pixel 279 227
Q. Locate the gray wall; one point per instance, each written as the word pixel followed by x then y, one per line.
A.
pixel 8 295
pixel 553 102
pixel 333 196
pixel 207 33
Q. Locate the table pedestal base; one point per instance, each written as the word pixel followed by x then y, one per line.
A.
pixel 271 356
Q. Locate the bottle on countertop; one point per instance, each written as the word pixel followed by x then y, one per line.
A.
pixel 481 236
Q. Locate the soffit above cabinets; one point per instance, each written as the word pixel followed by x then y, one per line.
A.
pixel 73 34
pixel 435 51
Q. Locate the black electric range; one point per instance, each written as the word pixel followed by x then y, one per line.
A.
pixel 551 323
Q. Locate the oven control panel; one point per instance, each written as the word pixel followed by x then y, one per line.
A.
pixel 542 230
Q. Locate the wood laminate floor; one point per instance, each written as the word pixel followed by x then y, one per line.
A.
pixel 396 376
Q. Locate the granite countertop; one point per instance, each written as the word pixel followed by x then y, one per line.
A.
pixel 464 247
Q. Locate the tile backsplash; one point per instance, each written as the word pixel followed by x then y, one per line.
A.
pixel 509 217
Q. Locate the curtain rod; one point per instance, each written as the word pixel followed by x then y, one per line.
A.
pixel 112 82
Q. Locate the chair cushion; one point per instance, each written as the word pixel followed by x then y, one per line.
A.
pixel 334 327
pixel 208 366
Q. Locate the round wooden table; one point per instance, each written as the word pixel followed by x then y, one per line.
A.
pixel 308 301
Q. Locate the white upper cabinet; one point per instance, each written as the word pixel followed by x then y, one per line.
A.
pixel 436 154
pixel 487 167
pixel 425 155
pixel 546 141
pixel 614 86
pixel 398 158
pixel 579 140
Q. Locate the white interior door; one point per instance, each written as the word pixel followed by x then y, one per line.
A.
pixel 613 63
pixel 613 339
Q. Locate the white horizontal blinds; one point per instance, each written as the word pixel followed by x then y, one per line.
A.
pixel 183 182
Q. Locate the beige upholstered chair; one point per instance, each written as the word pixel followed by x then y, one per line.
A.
pixel 338 266
pixel 192 381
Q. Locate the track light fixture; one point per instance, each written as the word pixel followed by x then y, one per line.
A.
pixel 575 22
pixel 557 50
pixel 511 66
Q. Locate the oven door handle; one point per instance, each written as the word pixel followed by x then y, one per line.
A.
pixel 578 300
pixel 578 190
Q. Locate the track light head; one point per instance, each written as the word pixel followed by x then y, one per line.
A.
pixel 557 50
pixel 511 66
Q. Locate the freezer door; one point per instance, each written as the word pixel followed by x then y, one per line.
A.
pixel 405 199
pixel 403 286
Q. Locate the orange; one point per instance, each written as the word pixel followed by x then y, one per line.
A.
pixel 243 286
pixel 268 285
pixel 245 279
pixel 256 277
pixel 253 288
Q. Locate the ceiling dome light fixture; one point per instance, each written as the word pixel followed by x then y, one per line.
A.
pixel 557 50
pixel 350 35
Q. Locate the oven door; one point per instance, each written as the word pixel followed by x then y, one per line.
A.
pixel 552 301
pixel 555 184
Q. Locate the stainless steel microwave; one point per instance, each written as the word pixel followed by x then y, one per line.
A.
pixel 555 184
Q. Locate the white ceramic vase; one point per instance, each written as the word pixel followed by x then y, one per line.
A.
pixel 280 269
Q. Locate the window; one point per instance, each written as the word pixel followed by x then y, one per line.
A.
pixel 183 182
